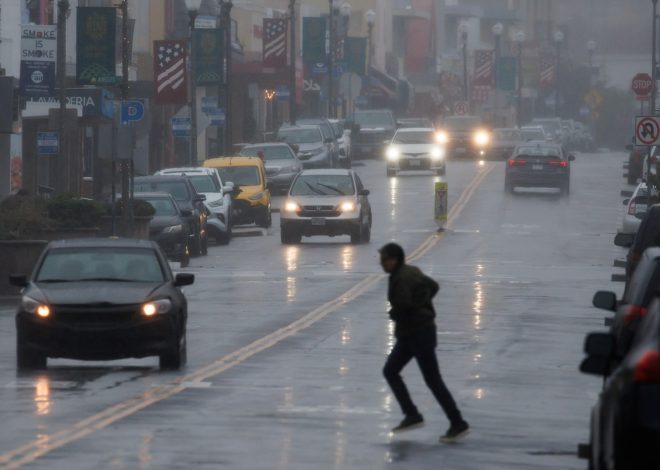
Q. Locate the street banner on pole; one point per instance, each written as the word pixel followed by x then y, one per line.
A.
pixel 38 57
pixel 208 56
pixel 484 64
pixel 314 37
pixel 95 45
pixel 274 41
pixel 355 55
pixel 548 72
pixel 170 72
pixel 506 73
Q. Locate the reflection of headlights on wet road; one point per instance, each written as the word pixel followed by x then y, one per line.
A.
pixel 481 138
pixel 392 154
pixel 437 153
pixel 441 137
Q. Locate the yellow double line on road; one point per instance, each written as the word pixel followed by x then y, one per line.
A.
pixel 38 448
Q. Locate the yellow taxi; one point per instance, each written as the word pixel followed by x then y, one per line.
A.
pixel 252 203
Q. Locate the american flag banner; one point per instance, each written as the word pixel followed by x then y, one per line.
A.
pixel 170 72
pixel 547 72
pixel 275 35
pixel 484 64
pixel 481 93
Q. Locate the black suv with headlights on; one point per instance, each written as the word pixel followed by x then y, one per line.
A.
pixel 101 299
pixel 465 136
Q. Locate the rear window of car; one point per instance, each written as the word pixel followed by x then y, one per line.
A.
pixel 323 185
pixel 241 175
pixel 538 152
pixel 164 207
pixel 507 135
pixel 204 184
pixel 300 136
pixel 86 264
pixel 177 189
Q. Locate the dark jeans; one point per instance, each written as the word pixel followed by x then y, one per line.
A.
pixel 421 346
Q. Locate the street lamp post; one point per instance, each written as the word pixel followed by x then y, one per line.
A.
pixel 654 56
pixel 370 16
pixel 333 7
pixel 225 14
pixel 64 157
pixel 193 9
pixel 463 31
pixel 519 39
pixel 292 59
pixel 498 29
pixel 345 11
pixel 558 37
pixel 591 48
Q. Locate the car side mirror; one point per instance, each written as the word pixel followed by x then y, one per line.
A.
pixel 626 202
pixel 624 240
pixel 184 279
pixel 600 349
pixel 200 198
pixel 605 300
pixel 571 157
pixel 329 140
pixel 295 148
pixel 626 193
pixel 186 213
pixel 18 280
pixel 364 192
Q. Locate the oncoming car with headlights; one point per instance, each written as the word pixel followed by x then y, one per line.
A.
pixel 101 299
pixel 464 136
pixel 415 149
pixel 326 202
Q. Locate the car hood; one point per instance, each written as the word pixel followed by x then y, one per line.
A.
pixel 322 200
pixel 162 221
pixel 211 197
pixel 247 191
pixel 83 293
pixel 414 148
pixel 277 165
pixel 308 147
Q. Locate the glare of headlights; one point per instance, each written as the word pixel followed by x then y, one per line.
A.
pixel 291 206
pixel 393 153
pixel 441 137
pixel 149 309
pixel 437 153
pixel 481 138
pixel 482 163
pixel 43 311
pixel 347 206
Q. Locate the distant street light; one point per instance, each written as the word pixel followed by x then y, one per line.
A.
pixel 558 37
pixel 519 39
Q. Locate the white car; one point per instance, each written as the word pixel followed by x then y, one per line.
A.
pixel 636 208
pixel 415 148
pixel 207 181
pixel 344 141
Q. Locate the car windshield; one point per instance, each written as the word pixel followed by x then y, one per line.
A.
pixel 116 264
pixel 371 119
pixel 503 135
pixel 163 206
pixel 274 152
pixel 326 130
pixel 300 136
pixel 204 184
pixel 462 123
pixel 241 175
pixel 414 137
pixel 339 128
pixel 323 185
pixel 177 189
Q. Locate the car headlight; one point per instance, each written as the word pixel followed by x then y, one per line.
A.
pixel 291 206
pixel 256 197
pixel 481 138
pixel 31 305
pixel 347 206
pixel 217 203
pixel 392 153
pixel 156 307
pixel 173 229
pixel 437 153
pixel 441 137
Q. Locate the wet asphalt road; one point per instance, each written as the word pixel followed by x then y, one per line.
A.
pixel 286 344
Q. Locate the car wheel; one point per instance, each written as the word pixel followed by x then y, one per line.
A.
pixel 391 172
pixel 176 358
pixel 196 247
pixel 356 235
pixel 366 234
pixel 289 238
pixel 205 245
pixel 27 359
pixel 265 221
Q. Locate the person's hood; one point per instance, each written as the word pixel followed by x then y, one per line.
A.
pixel 82 293
pixel 159 222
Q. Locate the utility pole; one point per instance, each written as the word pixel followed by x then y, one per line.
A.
pixel 64 159
pixel 228 5
pixel 126 164
pixel 654 59
pixel 292 58
pixel 331 58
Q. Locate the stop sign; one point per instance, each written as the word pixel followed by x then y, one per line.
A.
pixel 642 84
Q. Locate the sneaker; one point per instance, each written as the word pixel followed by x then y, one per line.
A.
pixel 455 432
pixel 409 423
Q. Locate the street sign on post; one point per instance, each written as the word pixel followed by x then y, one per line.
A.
pixel 647 130
pixel 642 84
pixel 181 126
pixel 131 111
pixel 283 92
pixel 48 143
pixel 461 108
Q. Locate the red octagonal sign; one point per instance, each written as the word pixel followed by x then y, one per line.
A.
pixel 642 84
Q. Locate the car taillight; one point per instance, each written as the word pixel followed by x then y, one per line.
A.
pixel 632 208
pixel 562 163
pixel 648 368
pixel 515 162
pixel 634 312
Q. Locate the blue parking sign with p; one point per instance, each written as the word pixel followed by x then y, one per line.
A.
pixel 131 111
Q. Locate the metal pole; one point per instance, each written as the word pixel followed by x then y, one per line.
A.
pixel 64 157
pixel 558 74
pixel 654 58
pixel 497 97
pixel 520 84
pixel 228 5
pixel 127 213
pixel 331 59
pixel 192 160
pixel 465 69
pixel 292 72
pixel 370 28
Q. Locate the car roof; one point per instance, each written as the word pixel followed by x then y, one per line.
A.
pixel 416 129
pixel 236 160
pixel 267 144
pixel 540 143
pixel 327 171
pixel 102 243
pixel 161 178
pixel 154 195
pixel 187 170
pixel 298 126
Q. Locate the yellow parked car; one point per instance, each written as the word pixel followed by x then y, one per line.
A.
pixel 252 202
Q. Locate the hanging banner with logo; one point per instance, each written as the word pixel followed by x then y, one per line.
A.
pixel 95 45
pixel 208 56
pixel 314 40
pixel 355 55
pixel 506 73
pixel 38 57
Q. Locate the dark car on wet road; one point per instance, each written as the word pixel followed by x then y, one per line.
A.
pixel 539 165
pixel 648 235
pixel 101 299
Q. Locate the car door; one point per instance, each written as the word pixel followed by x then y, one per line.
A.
pixel 363 200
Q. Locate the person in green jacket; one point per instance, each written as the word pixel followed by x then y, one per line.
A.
pixel 411 293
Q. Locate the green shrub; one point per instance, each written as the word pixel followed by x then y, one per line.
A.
pixel 69 211
pixel 141 208
pixel 21 214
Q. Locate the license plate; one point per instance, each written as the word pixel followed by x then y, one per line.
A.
pixel 317 221
pixel 537 167
pixel 640 208
pixel 414 163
